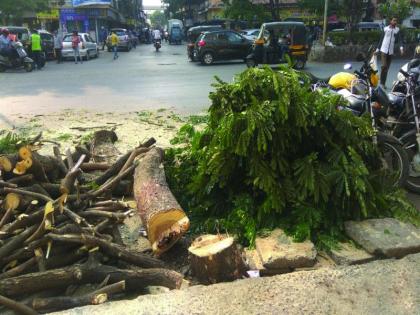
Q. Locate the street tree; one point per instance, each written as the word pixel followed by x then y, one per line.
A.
pixel 12 10
pixel 158 18
pixel 244 10
pixel 317 6
pixel 353 11
pixel 400 9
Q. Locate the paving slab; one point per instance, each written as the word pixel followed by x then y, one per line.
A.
pixel 279 251
pixel 348 254
pixel 385 237
pixel 388 286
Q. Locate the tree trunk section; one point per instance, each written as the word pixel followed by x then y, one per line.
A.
pixel 215 258
pixel 162 216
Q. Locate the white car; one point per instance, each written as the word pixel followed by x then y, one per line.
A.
pixel 251 34
pixel 87 47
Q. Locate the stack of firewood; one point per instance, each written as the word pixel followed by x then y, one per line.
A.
pixel 59 218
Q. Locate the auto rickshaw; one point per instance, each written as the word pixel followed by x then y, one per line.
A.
pixel 277 40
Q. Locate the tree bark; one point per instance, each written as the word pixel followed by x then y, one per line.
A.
pixel 160 212
pixel 215 258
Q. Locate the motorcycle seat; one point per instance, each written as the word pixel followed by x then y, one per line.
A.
pixel 356 103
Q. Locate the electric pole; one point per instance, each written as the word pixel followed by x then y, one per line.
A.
pixel 324 33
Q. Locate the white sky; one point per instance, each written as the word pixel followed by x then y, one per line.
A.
pixel 151 2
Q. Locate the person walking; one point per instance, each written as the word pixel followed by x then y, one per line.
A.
pixel 36 48
pixel 58 45
pixel 114 44
pixel 75 41
pixel 103 36
pixel 386 48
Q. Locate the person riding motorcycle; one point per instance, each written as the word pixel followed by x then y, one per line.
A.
pixel 5 43
pixel 156 35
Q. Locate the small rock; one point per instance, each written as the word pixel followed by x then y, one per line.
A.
pixel 348 254
pixel 156 289
pixel 385 237
pixel 279 251
pixel 254 262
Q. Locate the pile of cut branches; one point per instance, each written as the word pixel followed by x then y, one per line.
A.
pixel 59 217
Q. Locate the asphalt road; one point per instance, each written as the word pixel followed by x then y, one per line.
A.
pixel 140 79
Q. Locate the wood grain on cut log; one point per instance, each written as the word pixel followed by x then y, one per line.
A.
pixel 160 212
pixel 216 258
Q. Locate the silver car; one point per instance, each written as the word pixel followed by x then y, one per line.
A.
pixel 251 34
pixel 124 40
pixel 87 47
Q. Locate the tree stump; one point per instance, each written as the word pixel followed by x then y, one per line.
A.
pixel 161 214
pixel 216 258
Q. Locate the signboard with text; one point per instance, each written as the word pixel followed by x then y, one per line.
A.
pixel 78 3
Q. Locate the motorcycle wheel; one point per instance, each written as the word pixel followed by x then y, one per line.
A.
pixel 28 67
pixel 395 160
pixel 413 179
pixel 250 63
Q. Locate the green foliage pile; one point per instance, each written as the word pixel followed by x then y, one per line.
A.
pixel 275 154
pixel 10 142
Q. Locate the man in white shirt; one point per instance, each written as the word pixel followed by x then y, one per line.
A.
pixel 386 47
pixel 156 35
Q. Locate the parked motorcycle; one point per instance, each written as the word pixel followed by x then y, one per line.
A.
pixel 20 59
pixel 158 44
pixel 364 95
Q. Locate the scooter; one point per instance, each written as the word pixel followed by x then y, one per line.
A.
pixel 158 44
pixel 21 60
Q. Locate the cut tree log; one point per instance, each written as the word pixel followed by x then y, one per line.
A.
pixel 136 279
pixel 160 212
pixel 116 167
pixel 216 258
pixel 102 146
pixel 47 305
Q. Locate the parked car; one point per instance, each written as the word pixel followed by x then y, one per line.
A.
pixel 47 42
pixel 221 45
pixel 369 26
pixel 251 34
pixel 125 42
pixel 87 46
pixel 194 32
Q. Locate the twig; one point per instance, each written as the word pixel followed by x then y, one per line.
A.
pixel 111 215
pixel 70 161
pixel 57 155
pixel 17 306
pixel 18 269
pixel 27 193
pixel 7 184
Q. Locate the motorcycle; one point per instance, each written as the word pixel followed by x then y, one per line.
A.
pixel 364 95
pixel 20 60
pixel 158 44
pixel 404 121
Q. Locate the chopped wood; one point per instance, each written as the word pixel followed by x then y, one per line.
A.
pixel 61 165
pixel 161 214
pixel 110 249
pixel 20 308
pixel 7 184
pixel 89 167
pixel 15 271
pixel 65 302
pixel 216 258
pixel 19 180
pixel 67 183
pixel 136 279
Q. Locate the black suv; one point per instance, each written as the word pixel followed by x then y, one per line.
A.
pixel 221 45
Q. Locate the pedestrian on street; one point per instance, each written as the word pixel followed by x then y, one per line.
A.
pixel 386 48
pixel 58 45
pixel 103 36
pixel 36 48
pixel 114 44
pixel 75 41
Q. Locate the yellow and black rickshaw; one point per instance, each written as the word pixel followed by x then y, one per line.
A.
pixel 277 40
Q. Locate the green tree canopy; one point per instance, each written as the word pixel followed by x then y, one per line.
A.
pixel 317 6
pixel 400 9
pixel 12 10
pixel 244 10
pixel 158 18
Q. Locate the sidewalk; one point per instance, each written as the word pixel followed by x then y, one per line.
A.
pixel 380 287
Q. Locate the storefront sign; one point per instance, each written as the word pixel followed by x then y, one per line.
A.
pixel 77 3
pixel 48 15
